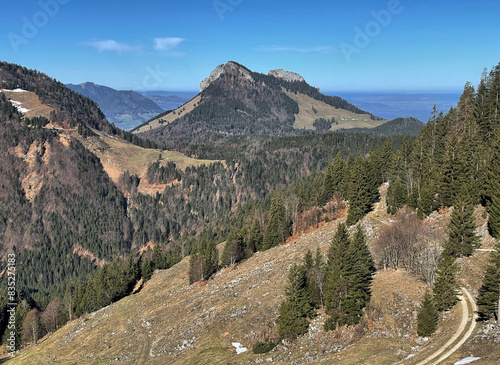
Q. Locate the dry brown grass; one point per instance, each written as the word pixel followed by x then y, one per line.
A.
pixel 30 100
pixel 118 156
pixel 169 118
pixel 172 322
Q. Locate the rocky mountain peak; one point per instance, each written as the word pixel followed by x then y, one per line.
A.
pixel 286 75
pixel 230 67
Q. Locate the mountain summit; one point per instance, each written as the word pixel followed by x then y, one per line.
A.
pixel 237 101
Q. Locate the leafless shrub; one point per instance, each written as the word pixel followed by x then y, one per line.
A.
pixel 402 244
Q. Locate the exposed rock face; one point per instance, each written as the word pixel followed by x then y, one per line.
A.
pixel 219 70
pixel 214 75
pixel 286 75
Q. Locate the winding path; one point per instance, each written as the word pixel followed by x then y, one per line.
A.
pixel 468 321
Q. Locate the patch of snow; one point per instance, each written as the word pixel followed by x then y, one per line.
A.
pixel 16 90
pixel 18 106
pixel 409 356
pixel 467 360
pixel 239 348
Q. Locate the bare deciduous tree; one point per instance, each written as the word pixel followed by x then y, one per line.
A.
pixel 402 244
pixel 31 326
pixel 52 315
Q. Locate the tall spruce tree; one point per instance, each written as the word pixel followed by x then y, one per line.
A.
pixel 359 270
pixel 204 261
pixel 297 308
pixel 427 317
pixel 446 285
pixel 360 190
pixel 481 110
pixel 493 189
pixel 462 237
pixel 276 230
pixel 255 239
pixel 396 196
pixel 332 182
pixel 493 100
pixel 386 161
pixel 336 280
pixel 489 293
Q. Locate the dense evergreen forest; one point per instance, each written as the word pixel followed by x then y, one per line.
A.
pixel 268 189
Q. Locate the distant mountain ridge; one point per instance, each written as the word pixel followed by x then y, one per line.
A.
pixel 124 108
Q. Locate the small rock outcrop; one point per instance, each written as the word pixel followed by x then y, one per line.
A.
pixel 286 75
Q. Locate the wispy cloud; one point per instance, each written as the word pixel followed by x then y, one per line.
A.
pixel 323 49
pixel 113 46
pixel 167 44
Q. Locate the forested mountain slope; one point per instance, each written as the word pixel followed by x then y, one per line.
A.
pixel 237 101
pixel 260 192
pixel 79 193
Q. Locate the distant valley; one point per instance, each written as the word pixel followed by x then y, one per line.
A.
pixel 127 109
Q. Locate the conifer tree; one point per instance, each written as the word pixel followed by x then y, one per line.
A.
pixel 332 182
pixel 489 292
pixel 451 177
pixel 359 270
pixel 386 159
pixel 296 309
pixel 462 237
pixel 427 202
pixel 204 261
pixel 360 191
pixel 427 317
pixel 234 250
pixel 493 189
pixel 316 277
pixel 396 196
pixel 255 239
pixel 471 155
pixel 308 260
pixel 445 284
pixel 336 281
pixel 481 110
pixel 275 232
pixel 493 101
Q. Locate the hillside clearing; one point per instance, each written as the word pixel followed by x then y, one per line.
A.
pixel 118 156
pixel 30 101
pixel 311 109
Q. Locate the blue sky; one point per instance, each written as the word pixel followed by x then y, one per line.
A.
pixel 356 45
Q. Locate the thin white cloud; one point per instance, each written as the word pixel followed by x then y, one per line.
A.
pixel 323 49
pixel 167 44
pixel 113 46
